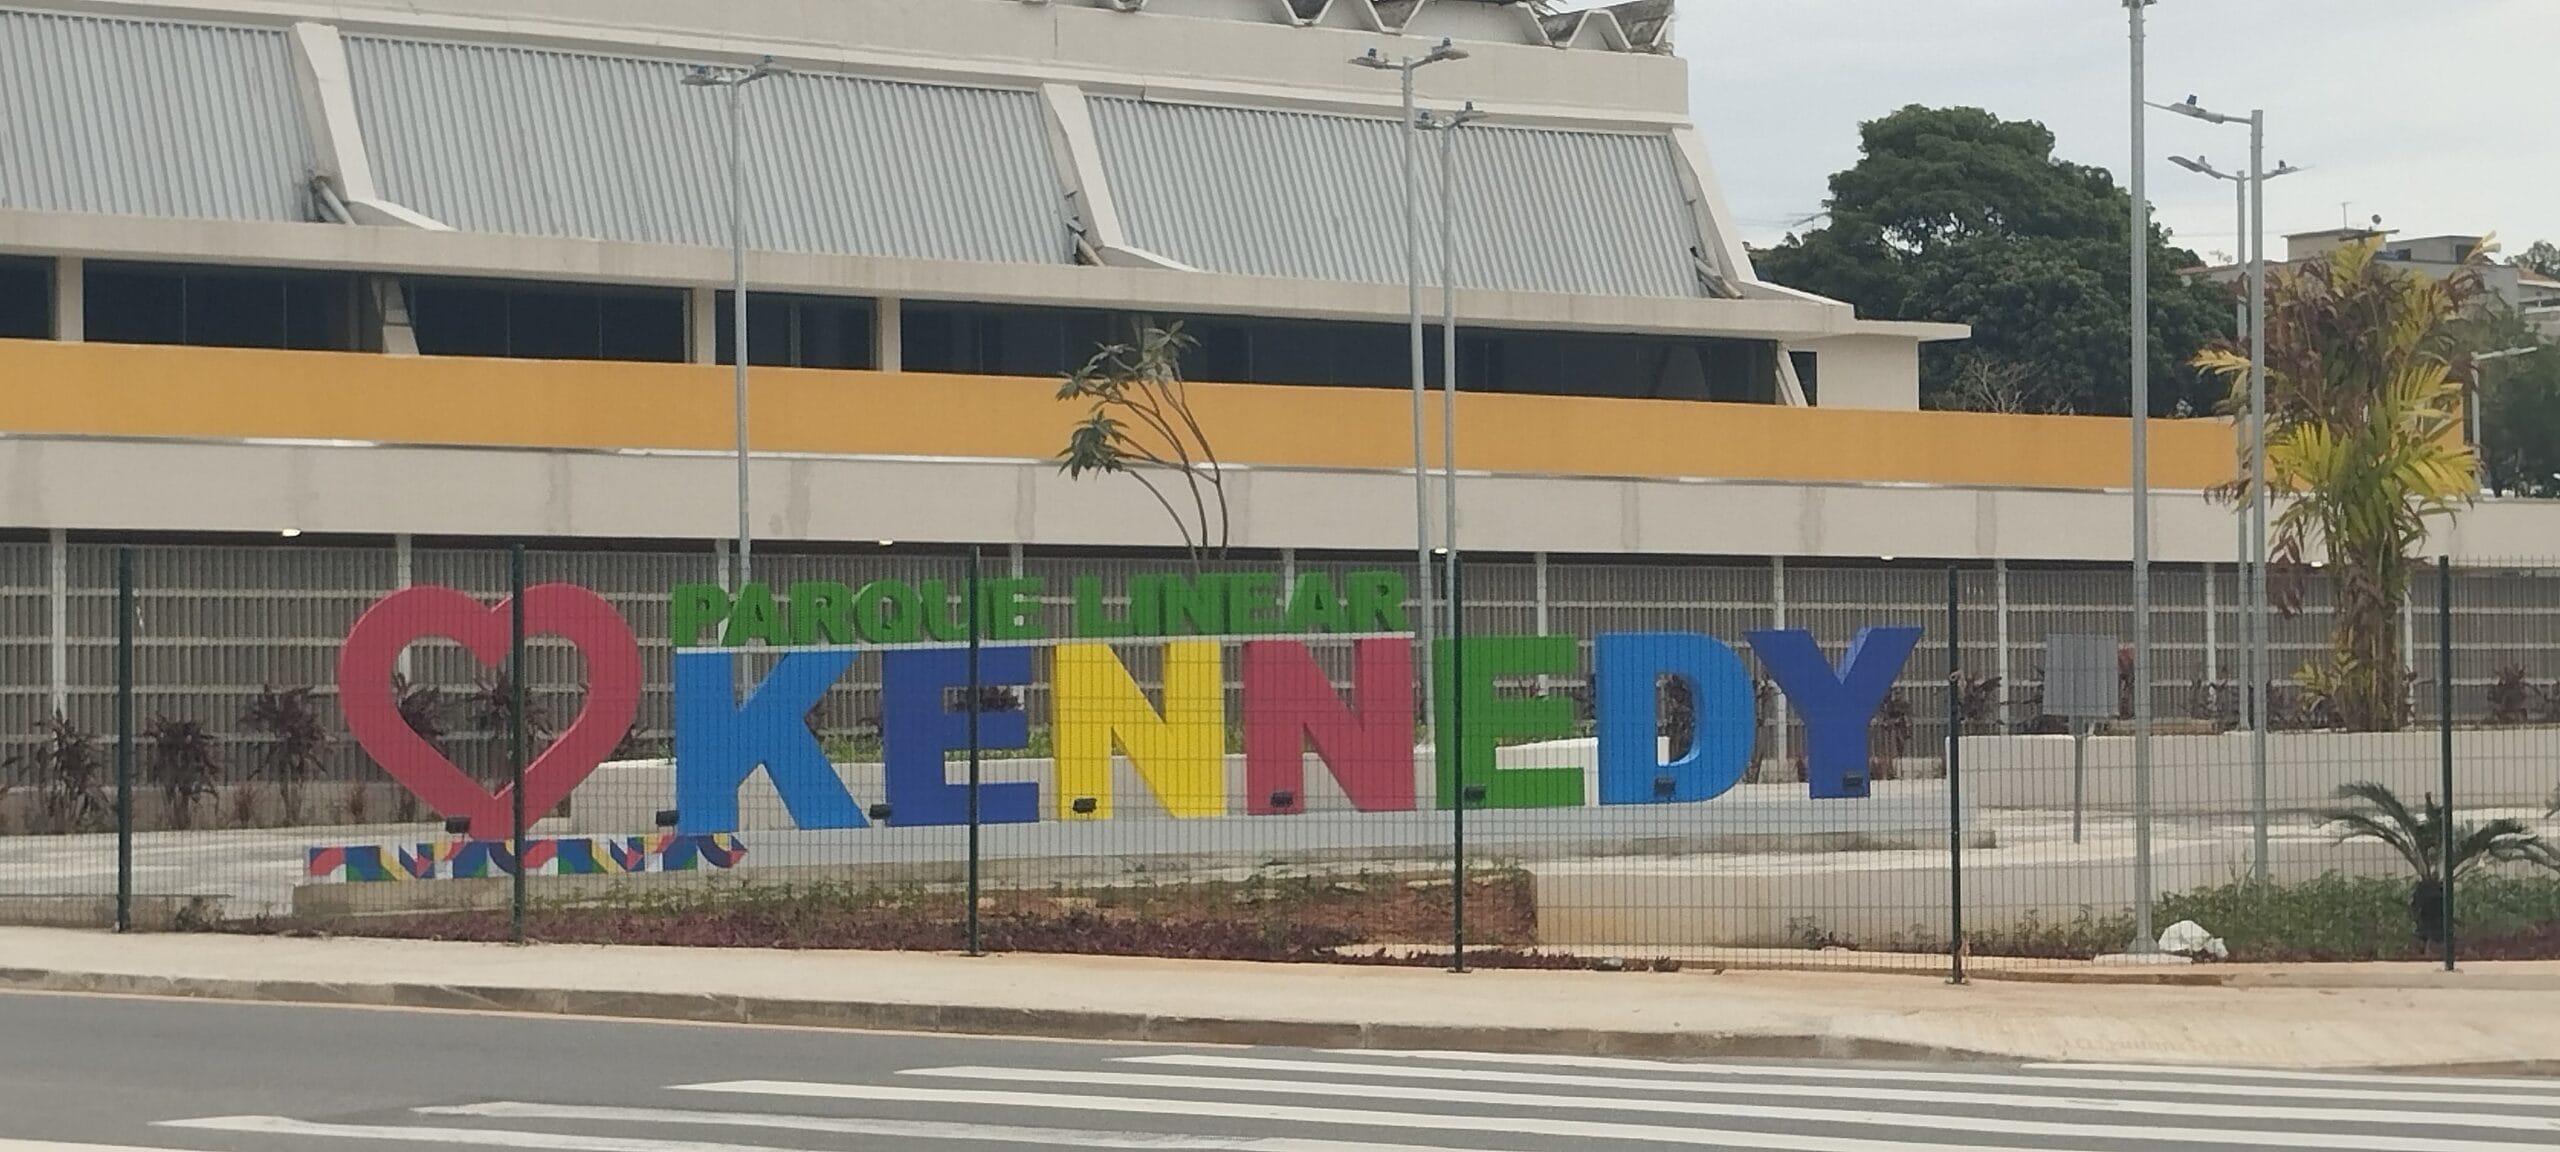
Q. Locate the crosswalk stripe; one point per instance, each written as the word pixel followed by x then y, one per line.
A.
pixel 2514 1083
pixel 1847 1114
pixel 2520 1094
pixel 1855 1095
pixel 58 1146
pixel 924 1129
pixel 481 1137
pixel 1523 1125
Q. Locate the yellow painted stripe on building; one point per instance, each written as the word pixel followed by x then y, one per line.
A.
pixel 228 394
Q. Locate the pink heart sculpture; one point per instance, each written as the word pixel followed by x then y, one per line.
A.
pixel 372 652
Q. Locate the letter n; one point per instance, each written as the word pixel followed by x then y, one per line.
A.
pixel 1368 746
pixel 1180 753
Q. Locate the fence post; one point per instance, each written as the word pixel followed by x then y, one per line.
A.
pixel 515 737
pixel 970 914
pixel 1955 794
pixel 124 739
pixel 1452 743
pixel 2444 728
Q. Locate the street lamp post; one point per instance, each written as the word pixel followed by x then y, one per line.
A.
pixel 1445 126
pixel 1411 124
pixel 2253 189
pixel 2144 942
pixel 735 81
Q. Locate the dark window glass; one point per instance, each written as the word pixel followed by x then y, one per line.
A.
pixel 1808 373
pixel 26 299
pixel 788 331
pixel 223 307
pixel 1001 341
pixel 547 321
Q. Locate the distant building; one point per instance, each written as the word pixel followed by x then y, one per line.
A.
pixel 2531 294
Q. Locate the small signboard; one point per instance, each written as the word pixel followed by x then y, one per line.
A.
pixel 2080 677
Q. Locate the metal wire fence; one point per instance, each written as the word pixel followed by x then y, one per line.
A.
pixel 1698 762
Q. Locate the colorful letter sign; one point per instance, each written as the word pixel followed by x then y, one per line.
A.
pixel 1106 729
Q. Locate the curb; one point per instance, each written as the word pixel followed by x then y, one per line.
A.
pixel 966 1020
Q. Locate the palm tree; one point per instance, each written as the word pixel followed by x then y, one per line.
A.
pixel 2364 447
pixel 2420 839
pixel 1139 422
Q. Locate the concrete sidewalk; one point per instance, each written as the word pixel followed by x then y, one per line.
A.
pixel 2494 1018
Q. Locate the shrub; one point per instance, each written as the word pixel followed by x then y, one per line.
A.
pixel 492 707
pixel 2511 696
pixel 180 762
pixel 69 778
pixel 298 742
pixel 2422 839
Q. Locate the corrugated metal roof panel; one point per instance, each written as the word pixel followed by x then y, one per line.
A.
pixel 512 140
pixel 1312 196
pixel 150 118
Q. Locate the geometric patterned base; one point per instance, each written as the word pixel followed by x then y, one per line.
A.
pixel 482 859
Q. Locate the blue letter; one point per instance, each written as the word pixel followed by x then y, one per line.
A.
pixel 720 742
pixel 917 727
pixel 1628 667
pixel 1836 708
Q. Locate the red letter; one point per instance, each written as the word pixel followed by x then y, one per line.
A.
pixel 1368 746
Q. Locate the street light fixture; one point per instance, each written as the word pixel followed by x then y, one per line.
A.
pixel 2253 189
pixel 1406 66
pixel 735 81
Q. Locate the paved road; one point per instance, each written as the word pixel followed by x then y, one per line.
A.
pixel 85 1074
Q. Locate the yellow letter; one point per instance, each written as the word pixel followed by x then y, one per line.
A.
pixel 1181 753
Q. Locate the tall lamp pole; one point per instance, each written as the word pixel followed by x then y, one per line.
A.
pixel 2253 189
pixel 2145 942
pixel 1445 126
pixel 735 81
pixel 1406 66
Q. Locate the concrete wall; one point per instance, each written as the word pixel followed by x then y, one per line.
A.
pixel 1862 371
pixel 2493 767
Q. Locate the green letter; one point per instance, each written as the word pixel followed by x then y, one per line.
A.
pixel 1253 603
pixel 817 608
pixel 690 608
pixel 888 612
pixel 1091 620
pixel 1146 606
pixel 1313 606
pixel 1195 607
pixel 1377 602
pixel 756 617
pixel 1491 719
pixel 1013 608
pixel 940 622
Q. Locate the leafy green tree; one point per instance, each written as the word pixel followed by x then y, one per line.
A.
pixel 1954 214
pixel 2543 257
pixel 2364 448
pixel 1138 423
pixel 2520 403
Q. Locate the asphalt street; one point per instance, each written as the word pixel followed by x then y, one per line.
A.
pixel 91 1074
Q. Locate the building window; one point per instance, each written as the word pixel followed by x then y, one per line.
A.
pixel 223 307
pixel 1808 373
pixel 527 321
pixel 26 298
pixel 785 331
pixel 999 341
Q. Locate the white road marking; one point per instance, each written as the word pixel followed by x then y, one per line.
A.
pixel 57 1146
pixel 2514 1083
pixel 1852 1096
pixel 1847 1114
pixel 924 1129
pixel 478 1137
pixel 2521 1093
pixel 1518 1125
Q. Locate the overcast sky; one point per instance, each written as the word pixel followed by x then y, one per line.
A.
pixel 2441 116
